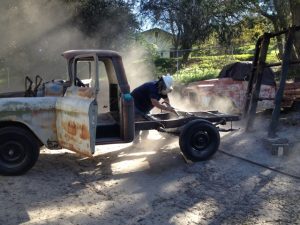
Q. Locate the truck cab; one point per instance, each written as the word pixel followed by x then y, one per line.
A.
pixel 93 107
pixel 98 83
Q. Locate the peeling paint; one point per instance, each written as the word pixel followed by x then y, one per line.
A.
pixel 84 132
pixel 75 124
pixel 37 113
pixel 56 121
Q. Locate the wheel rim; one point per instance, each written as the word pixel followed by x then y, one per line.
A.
pixel 12 153
pixel 200 140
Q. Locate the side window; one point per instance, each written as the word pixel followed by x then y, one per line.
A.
pixel 85 71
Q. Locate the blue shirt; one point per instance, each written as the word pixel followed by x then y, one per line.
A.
pixel 143 94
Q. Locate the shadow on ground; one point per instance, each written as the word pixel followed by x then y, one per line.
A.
pixel 149 183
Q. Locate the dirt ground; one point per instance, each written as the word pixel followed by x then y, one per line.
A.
pixel 150 183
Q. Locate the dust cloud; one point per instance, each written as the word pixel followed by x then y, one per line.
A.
pixel 223 104
pixel 137 65
pixel 35 33
pixel 183 103
pixel 202 102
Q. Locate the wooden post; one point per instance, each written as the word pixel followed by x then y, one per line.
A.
pixel 279 94
pixel 258 76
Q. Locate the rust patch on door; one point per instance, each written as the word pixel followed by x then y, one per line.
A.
pixel 85 134
pixel 71 128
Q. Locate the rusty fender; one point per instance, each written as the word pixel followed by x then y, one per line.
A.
pixel 37 113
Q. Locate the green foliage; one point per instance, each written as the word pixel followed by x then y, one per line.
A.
pixel 208 67
pixel 202 68
pixel 272 58
pixel 188 75
pixel 245 49
pixel 165 65
pixel 243 57
pixel 150 49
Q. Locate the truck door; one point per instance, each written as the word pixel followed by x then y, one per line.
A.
pixel 77 110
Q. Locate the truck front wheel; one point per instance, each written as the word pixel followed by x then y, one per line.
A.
pixel 199 140
pixel 19 150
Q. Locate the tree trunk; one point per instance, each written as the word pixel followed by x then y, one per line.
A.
pixel 185 56
pixel 281 22
pixel 186 47
pixel 279 42
pixel 295 10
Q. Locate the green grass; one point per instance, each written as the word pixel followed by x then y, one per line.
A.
pixel 272 57
pixel 208 67
pixel 195 74
pixel 203 68
pixel 243 57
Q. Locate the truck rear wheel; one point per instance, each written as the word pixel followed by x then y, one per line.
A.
pixel 19 150
pixel 199 140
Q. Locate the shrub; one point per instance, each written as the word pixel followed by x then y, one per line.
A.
pixel 188 75
pixel 165 65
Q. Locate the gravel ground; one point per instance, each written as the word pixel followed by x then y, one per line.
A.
pixel 150 183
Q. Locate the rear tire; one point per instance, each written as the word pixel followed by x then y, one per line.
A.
pixel 199 140
pixel 19 150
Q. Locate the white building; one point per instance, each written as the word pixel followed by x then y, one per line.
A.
pixel 163 41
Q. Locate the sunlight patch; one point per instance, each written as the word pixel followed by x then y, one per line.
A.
pixel 137 154
pixel 133 165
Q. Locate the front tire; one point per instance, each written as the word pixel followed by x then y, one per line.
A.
pixel 19 150
pixel 199 140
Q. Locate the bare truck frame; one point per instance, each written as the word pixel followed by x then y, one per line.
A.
pixel 93 106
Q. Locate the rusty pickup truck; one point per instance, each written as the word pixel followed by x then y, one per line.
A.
pixel 92 107
pixel 228 91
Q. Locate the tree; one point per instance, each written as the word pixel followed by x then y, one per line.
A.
pixel 189 21
pixel 111 22
pixel 227 21
pixel 295 11
pixel 277 11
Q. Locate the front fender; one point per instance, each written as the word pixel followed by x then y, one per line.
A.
pixel 37 113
